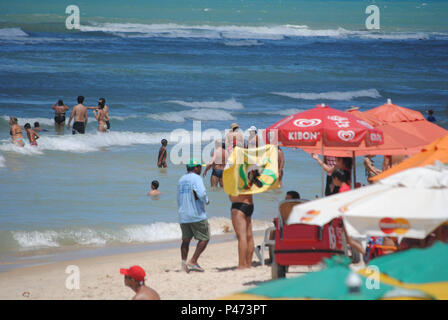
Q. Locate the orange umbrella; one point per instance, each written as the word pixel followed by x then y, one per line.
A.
pixel 438 150
pixel 410 121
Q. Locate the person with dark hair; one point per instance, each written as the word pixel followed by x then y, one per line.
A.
pixel 340 163
pixel 16 132
pixel 191 201
pixel 32 135
pixel 81 116
pixel 134 278
pixel 290 195
pixel 59 114
pixel 161 159
pixel 431 117
pixel 154 187
pixel 102 105
pixel 340 180
pixel 234 138
pixel 100 116
pixel 217 162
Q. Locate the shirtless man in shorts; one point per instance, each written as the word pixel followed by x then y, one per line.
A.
pixel 217 162
pixel 79 112
pixel 241 211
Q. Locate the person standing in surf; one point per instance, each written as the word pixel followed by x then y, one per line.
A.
pixel 102 104
pixel 79 113
pixel 100 116
pixel 59 115
pixel 161 159
pixel 16 132
pixel 217 163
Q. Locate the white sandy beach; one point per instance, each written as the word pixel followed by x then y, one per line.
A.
pixel 100 277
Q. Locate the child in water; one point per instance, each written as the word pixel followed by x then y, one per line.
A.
pixel 154 187
pixel 32 135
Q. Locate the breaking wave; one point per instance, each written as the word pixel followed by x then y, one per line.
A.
pixel 155 232
pixel 332 95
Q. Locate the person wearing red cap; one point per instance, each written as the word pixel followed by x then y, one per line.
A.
pixel 134 278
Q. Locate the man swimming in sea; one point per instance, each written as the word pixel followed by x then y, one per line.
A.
pixel 79 112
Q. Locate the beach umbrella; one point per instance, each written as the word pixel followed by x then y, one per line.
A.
pixel 436 151
pixel 421 269
pixel 411 204
pixel 335 282
pixel 407 120
pixel 323 127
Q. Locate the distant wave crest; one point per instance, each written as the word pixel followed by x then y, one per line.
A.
pixel 331 95
pixel 238 32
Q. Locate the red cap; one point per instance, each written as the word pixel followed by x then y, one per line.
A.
pixel 135 272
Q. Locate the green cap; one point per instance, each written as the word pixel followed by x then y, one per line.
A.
pixel 193 163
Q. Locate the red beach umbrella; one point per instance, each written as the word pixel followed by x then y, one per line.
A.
pixel 323 126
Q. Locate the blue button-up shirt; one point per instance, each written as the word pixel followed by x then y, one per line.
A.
pixel 191 210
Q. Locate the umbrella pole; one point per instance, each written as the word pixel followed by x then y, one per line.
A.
pixel 354 169
pixel 322 171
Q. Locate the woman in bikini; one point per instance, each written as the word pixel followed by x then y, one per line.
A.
pixel 241 211
pixel 16 132
pixel 100 116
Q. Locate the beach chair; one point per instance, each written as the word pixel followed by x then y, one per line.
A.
pixel 303 244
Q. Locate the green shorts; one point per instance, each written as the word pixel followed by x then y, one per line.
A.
pixel 199 230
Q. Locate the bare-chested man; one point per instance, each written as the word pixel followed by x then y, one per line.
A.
pixel 217 162
pixel 134 278
pixel 59 115
pixel 79 112
pixel 241 211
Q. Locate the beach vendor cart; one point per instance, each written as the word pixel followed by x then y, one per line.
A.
pixel 303 244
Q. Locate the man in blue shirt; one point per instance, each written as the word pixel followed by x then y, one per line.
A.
pixel 191 200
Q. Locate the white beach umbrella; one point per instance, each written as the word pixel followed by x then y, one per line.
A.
pixel 409 204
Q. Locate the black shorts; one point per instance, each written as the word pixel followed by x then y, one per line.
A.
pixel 217 173
pixel 108 124
pixel 247 209
pixel 59 119
pixel 79 127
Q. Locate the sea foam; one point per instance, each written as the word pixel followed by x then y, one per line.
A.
pixel 127 234
pixel 332 95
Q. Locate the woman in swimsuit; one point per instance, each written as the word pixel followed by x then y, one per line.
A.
pixel 100 116
pixel 16 132
pixel 241 211
pixel 59 115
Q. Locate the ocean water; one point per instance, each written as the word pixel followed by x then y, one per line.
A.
pixel 163 65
